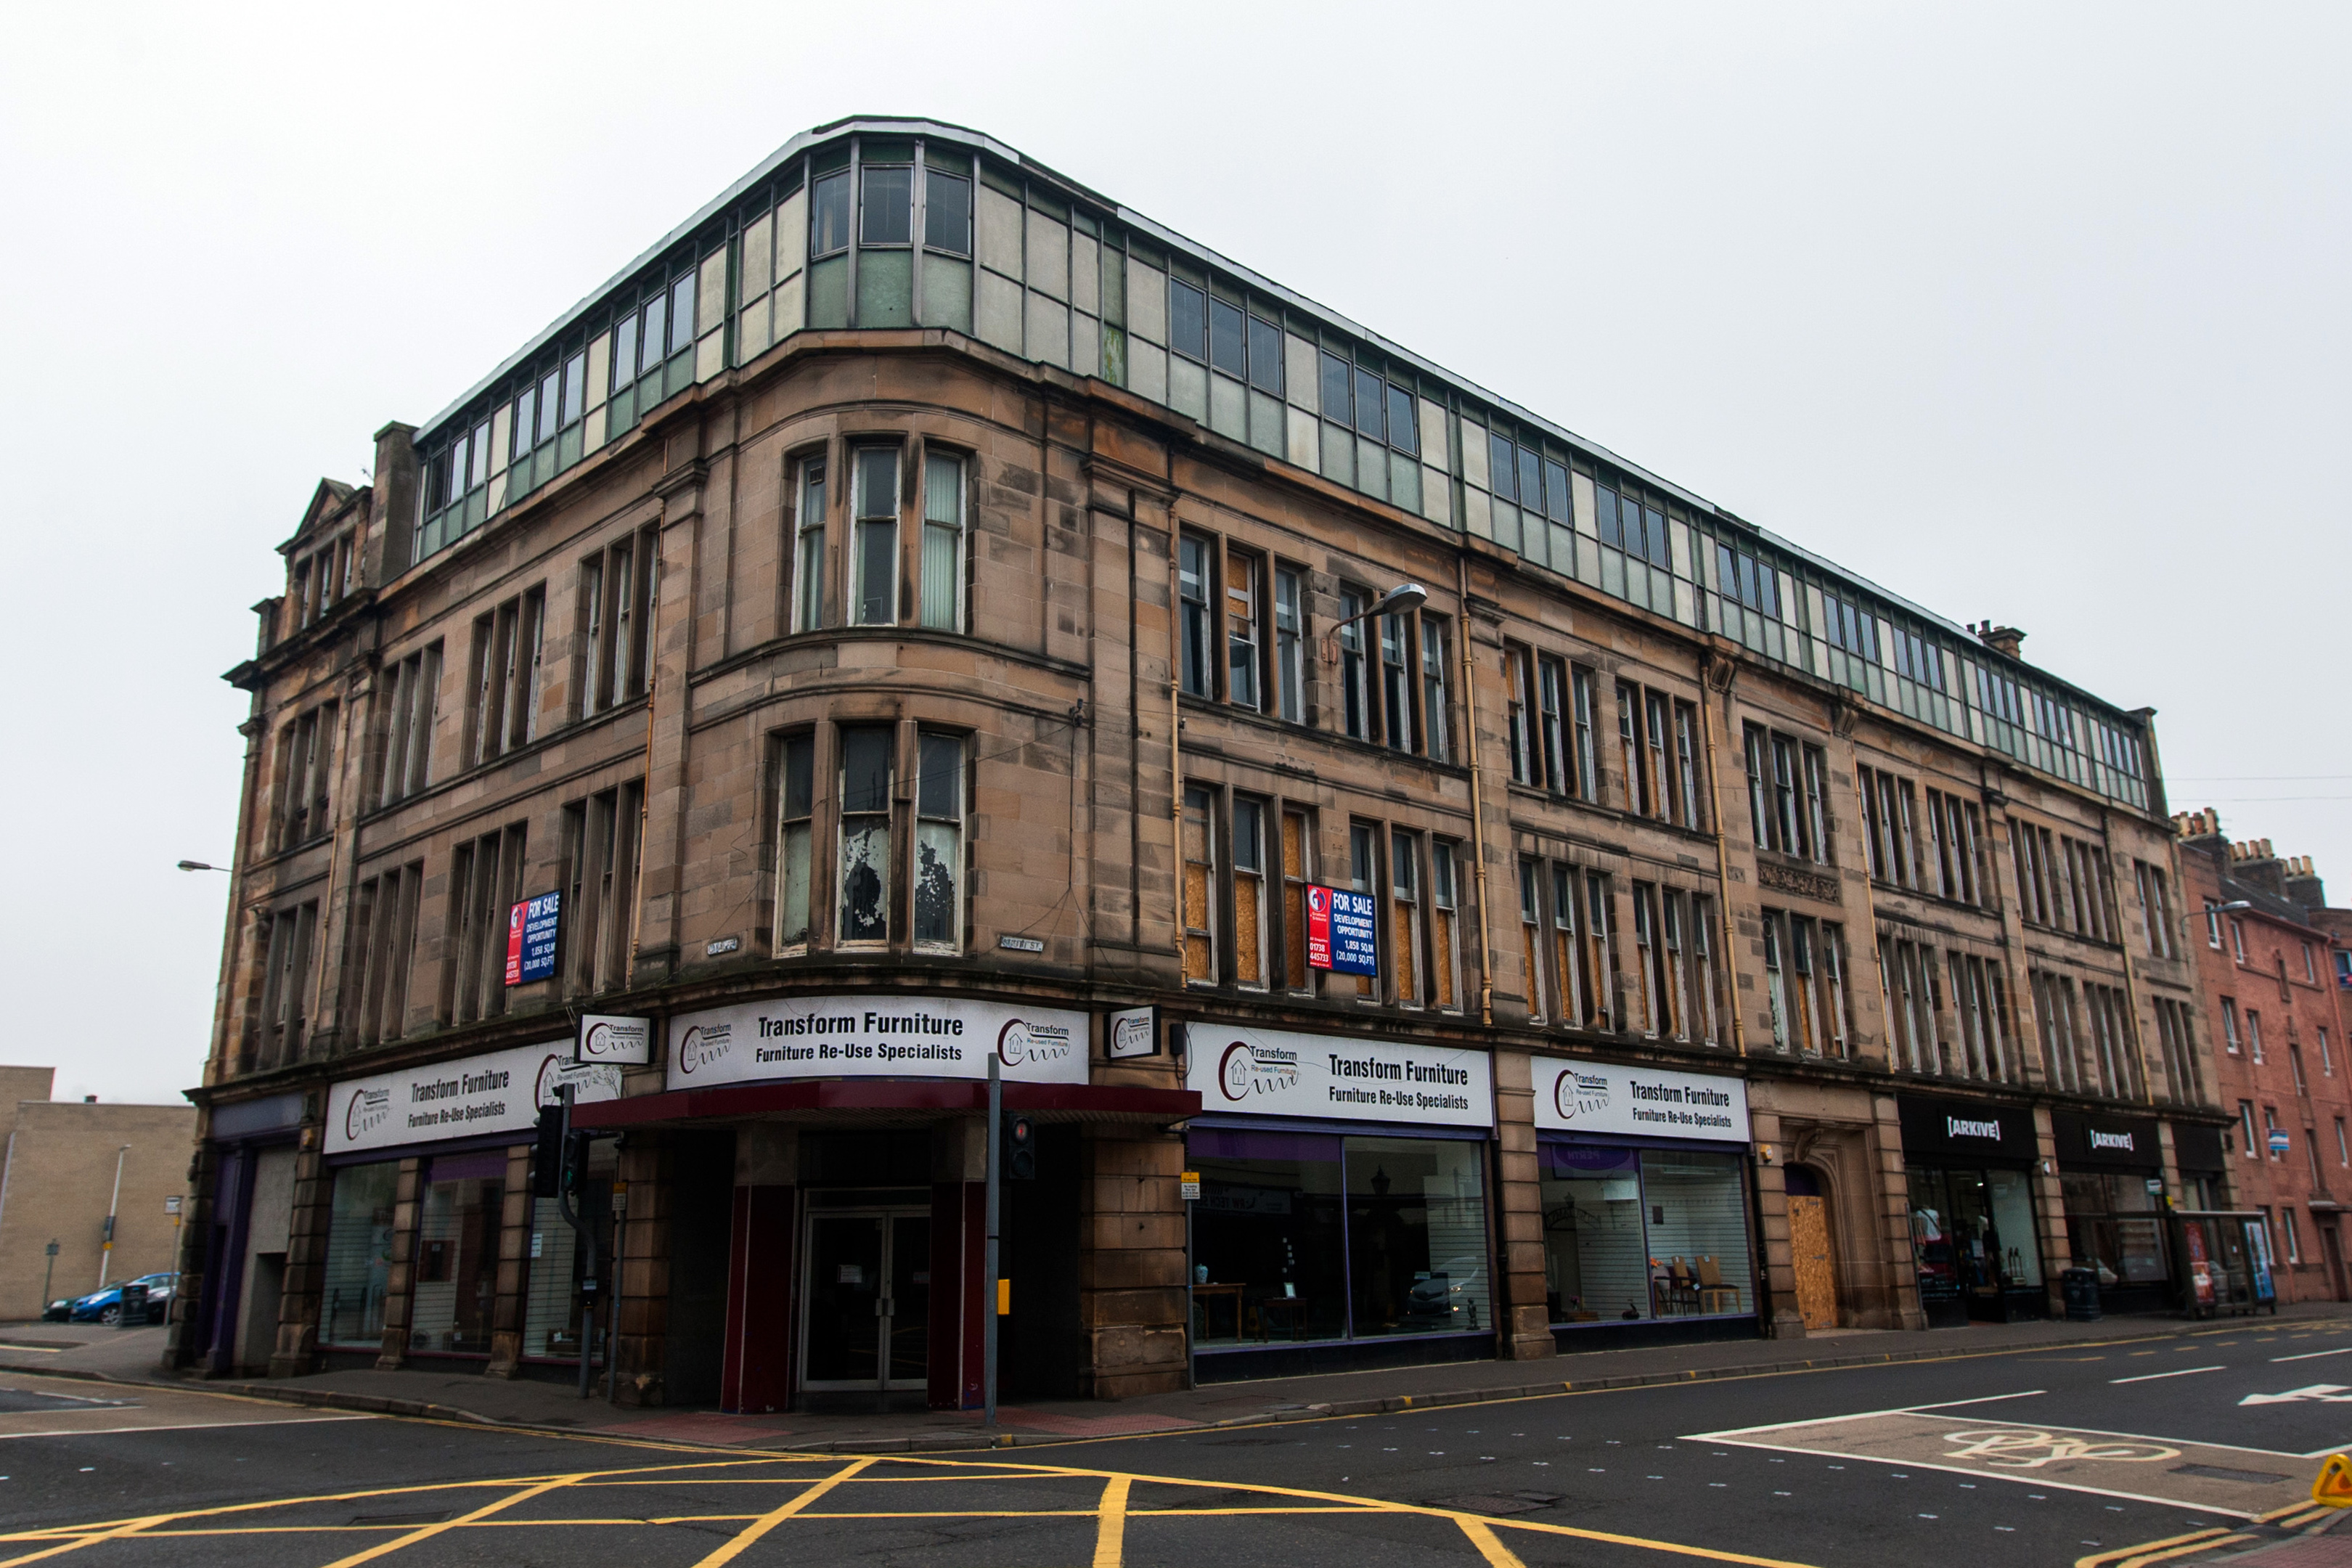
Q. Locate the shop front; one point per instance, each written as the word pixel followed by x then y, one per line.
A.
pixel 243 1261
pixel 452 1141
pixel 1974 1243
pixel 823 1166
pixel 1343 1212
pixel 1643 1180
pixel 2111 1170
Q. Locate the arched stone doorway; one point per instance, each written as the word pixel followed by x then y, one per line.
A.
pixel 1812 1250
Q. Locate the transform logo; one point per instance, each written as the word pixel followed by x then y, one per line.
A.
pixel 704 1045
pixel 366 1112
pixel 1575 1093
pixel 1246 1069
pixel 1021 1041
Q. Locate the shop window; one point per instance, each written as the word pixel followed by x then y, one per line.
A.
pixel 796 822
pixel 808 589
pixel 1416 1236
pixel 943 541
pixel 874 546
pixel 866 768
pixel 1631 1234
pixel 1269 1237
pixel 1199 878
pixel 556 1323
pixel 454 1286
pixel 1972 1235
pixel 2114 1227
pixel 599 855
pixel 359 1254
pixel 938 843
pixel 1248 838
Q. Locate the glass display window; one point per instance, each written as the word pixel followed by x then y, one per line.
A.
pixel 552 1316
pixel 1638 1233
pixel 358 1253
pixel 456 1278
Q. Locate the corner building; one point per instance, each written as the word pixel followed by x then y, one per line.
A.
pixel 921 610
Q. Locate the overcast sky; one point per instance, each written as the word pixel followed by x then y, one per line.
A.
pixel 2030 313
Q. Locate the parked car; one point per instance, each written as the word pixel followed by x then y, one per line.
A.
pixel 106 1306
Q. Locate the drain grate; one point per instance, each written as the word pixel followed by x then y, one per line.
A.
pixel 2224 1473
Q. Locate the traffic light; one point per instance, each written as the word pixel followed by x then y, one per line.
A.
pixel 547 1159
pixel 1020 1150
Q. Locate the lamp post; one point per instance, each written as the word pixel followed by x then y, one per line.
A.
pixel 106 1250
pixel 201 866
pixel 1395 602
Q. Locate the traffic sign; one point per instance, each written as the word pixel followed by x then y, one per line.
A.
pixel 1189 1188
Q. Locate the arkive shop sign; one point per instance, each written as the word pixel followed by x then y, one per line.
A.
pixel 1601 1097
pixel 498 1091
pixel 1270 1072
pixel 876 1036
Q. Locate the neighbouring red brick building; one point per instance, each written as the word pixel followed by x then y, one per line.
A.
pixel 2271 992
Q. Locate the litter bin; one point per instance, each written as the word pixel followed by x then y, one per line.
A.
pixel 2080 1289
pixel 134 1308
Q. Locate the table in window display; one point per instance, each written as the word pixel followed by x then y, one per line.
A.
pixel 552 1300
pixel 358 1253
pixel 1632 1233
pixel 455 1288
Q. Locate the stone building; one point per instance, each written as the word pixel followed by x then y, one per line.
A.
pixel 2273 1008
pixel 923 612
pixel 64 1164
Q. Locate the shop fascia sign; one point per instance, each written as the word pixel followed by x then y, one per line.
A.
pixel 876 1036
pixel 498 1091
pixel 616 1038
pixel 1601 1097
pixel 1270 1072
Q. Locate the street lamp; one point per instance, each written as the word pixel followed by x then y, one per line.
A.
pixel 1395 602
pixel 200 865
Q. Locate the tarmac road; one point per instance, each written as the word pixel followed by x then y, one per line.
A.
pixel 2050 1455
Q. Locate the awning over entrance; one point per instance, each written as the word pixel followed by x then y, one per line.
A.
pixel 851 1102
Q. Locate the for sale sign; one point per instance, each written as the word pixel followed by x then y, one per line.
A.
pixel 530 939
pixel 1342 931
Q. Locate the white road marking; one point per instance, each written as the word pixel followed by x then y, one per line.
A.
pixel 186 1426
pixel 2317 1393
pixel 2176 1372
pixel 2311 1355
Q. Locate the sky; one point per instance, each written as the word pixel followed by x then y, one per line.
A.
pixel 2029 314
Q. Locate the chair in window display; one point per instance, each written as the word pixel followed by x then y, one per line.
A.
pixel 1714 1295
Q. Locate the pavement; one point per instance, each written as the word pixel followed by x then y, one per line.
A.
pixel 133 1355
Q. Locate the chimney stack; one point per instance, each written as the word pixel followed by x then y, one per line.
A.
pixel 2304 885
pixel 2251 862
pixel 2000 639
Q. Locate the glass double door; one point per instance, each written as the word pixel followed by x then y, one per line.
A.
pixel 865 1289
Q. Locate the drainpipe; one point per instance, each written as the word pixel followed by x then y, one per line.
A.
pixel 1477 797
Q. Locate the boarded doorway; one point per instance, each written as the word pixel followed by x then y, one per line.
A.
pixel 1808 1248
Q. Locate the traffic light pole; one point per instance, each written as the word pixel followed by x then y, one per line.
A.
pixel 588 1240
pixel 988 1304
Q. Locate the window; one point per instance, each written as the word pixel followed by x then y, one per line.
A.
pixel 1889 818
pixel 1587 786
pixel 2252 1139
pixel 1199 878
pixel 2295 1062
pixel 410 688
pixel 796 807
pixel 1244 598
pixel 2054 1000
pixel 2294 1234
pixel 1289 627
pixel 1298 871
pixel 1193 615
pixel 1188 320
pixel 2156 906
pixel 1396 708
pixel 2212 926
pixel 2237 939
pixel 947 212
pixel 1639 785
pixel 808 595
pixel 1665 793
pixel 1531 938
pixel 1355 697
pixel 2326 1061
pixel 616 612
pixel 1433 685
pixel 886 204
pixel 2270 1125
pixel 1600 960
pixel 1405 916
pixel 1519 716
pixel 2178 1047
pixel 599 856
pixel 943 547
pixel 306 757
pixel 1650 957
pixel 1265 356
pixel 939 843
pixel 1952 832
pixel 2254 1035
pixel 2343 1149
pixel 1445 933
pixel 1775 978
pixel 1568 979
pixel 867 770
pixel 1249 893
pixel 1684 790
pixel 289 940
pixel 1548 763
pixel 875 591
pixel 1701 978
pixel 485 882
pixel 383 946
pixel 507 647
pixel 829 215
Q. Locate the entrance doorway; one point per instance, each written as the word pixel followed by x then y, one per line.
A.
pixel 1809 1249
pixel 866 1300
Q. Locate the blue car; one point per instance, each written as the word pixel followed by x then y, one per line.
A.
pixel 106 1306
